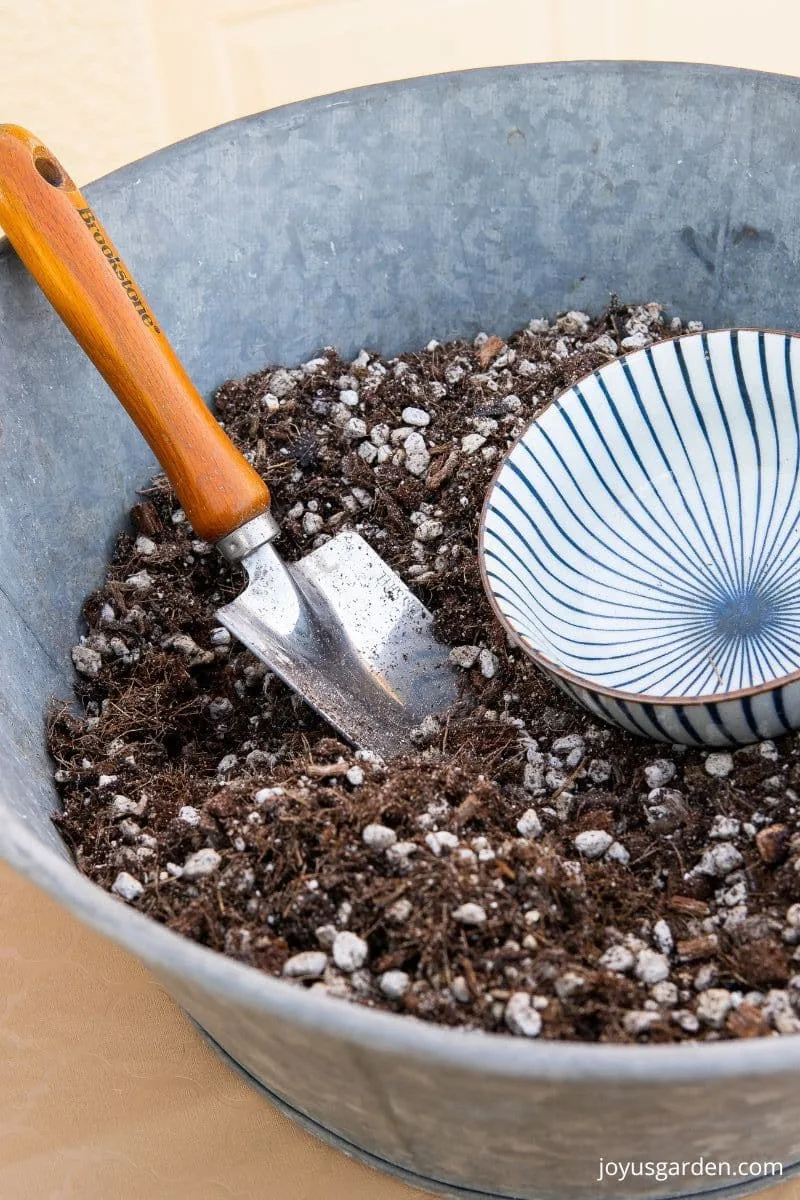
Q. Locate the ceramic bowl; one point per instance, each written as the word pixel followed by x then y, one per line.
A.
pixel 641 540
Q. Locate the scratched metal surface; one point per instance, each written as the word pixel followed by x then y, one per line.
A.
pixel 380 217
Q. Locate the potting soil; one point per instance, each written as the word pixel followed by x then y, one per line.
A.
pixel 522 869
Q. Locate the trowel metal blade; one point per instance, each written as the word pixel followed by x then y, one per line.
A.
pixel 344 631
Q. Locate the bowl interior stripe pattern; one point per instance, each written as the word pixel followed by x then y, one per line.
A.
pixel 643 532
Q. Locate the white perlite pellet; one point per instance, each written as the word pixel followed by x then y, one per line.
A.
pixel 281 383
pixel 428 531
pixel 705 977
pixel 616 852
pixel 355 776
pixel 309 964
pixel 464 656
pixel 687 1021
pixel 593 843
pixel 202 862
pixel 189 815
pixel 617 958
pixel 314 365
pixel 778 1008
pixel 724 827
pixel 529 825
pixel 793 916
pixel 719 860
pixel 394 984
pixel 713 1007
pixel 127 887
pixel 651 967
pixel 312 523
pixel 635 341
pixel 469 914
pixel 484 850
pixel 401 850
pixel 129 829
pixel 460 990
pixel 141 580
pixel 415 416
pixel 665 993
pixel 719 765
pixel 417 458
pixel 185 645
pixel 488 663
pixel 123 806
pixel 659 773
pixel 349 951
pixel 472 442
pixel 569 984
pixel 599 771
pixel 378 837
pixel 662 936
pixel 264 795
pixel 399 912
pixel 572 746
pixel 86 661
pixel 533 776
pixel 521 1017
pixel 485 425
pixel 441 841
pixel 427 730
pixel 734 896
pixel 639 1021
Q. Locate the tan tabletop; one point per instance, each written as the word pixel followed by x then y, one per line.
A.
pixel 107 1092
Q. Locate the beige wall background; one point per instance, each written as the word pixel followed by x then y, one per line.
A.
pixel 105 81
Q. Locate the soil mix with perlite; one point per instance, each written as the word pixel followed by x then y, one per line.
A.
pixel 521 870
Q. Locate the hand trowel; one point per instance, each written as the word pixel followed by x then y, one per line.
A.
pixel 338 626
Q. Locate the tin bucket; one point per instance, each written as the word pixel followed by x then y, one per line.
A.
pixel 382 217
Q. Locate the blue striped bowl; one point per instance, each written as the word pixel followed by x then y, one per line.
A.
pixel 641 540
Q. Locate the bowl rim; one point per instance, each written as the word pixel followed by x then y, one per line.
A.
pixel 541 659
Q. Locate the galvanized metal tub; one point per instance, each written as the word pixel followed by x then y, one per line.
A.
pixel 382 217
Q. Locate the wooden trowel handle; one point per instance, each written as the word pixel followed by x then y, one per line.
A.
pixel 64 246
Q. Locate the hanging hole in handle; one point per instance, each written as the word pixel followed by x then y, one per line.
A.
pixel 50 170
